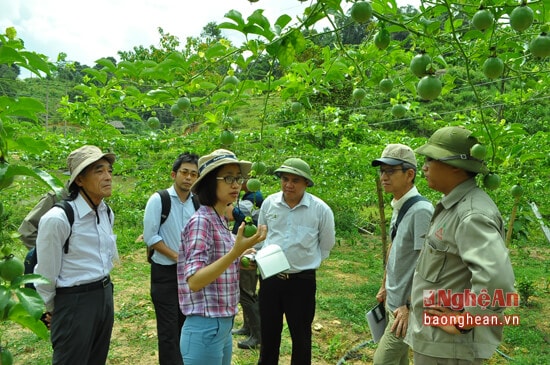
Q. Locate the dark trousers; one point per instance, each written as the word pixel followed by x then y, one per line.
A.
pixel 164 293
pixel 295 299
pixel 81 327
pixel 248 281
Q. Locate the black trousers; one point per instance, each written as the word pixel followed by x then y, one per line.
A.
pixel 164 293
pixel 248 282
pixel 81 326
pixel 293 297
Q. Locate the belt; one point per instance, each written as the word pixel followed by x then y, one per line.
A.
pixel 306 274
pixel 100 284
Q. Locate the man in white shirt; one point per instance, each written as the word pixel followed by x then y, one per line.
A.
pixel 303 226
pixel 79 295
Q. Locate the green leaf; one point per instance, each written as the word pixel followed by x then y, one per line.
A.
pixel 21 106
pixel 31 145
pixel 5 295
pixel 100 76
pixel 9 55
pixel 19 314
pixel 37 62
pixel 236 17
pixel 107 63
pixel 31 301
pixel 52 182
pixel 283 20
pixel 27 279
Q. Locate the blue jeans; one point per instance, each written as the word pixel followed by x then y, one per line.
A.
pixel 206 340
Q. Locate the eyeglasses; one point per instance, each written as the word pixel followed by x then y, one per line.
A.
pixel 390 172
pixel 231 179
pixel 193 174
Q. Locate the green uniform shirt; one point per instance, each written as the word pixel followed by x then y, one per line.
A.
pixel 464 251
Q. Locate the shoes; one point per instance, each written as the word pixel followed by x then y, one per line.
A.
pixel 249 344
pixel 241 332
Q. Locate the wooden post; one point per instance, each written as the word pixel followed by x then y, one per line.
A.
pixel 383 234
pixel 512 219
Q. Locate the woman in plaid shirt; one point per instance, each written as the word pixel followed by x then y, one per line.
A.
pixel 208 262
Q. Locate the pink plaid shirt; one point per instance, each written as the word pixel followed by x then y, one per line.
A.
pixel 204 240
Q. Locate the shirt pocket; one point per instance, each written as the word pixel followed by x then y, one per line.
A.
pixel 431 262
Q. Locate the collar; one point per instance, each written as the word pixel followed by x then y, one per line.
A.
pixel 397 204
pixel 306 200
pixel 458 193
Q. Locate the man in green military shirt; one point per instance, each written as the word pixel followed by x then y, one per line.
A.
pixel 464 260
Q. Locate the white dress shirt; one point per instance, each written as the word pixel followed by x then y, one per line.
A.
pixel 92 248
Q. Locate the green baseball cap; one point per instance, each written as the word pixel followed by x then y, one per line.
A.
pixel 451 145
pixel 296 166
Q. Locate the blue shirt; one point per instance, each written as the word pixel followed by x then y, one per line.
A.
pixel 170 231
pixel 92 248
pixel 405 248
pixel 305 233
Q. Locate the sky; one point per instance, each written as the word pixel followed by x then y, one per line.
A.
pixel 88 30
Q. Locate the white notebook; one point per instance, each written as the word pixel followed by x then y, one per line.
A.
pixel 376 318
pixel 271 260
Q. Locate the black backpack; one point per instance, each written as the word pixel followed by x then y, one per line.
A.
pixel 165 212
pixel 32 259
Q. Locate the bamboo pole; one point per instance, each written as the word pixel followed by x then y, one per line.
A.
pixel 383 234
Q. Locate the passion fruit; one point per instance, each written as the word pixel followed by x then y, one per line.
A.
pixel 296 107
pixel 230 80
pixel 493 67
pixel 382 39
pixel 259 167
pixel 12 267
pixel 429 87
pixel 419 64
pixel 361 11
pixel 385 85
pixel 399 110
pixel 521 18
pixel 540 46
pixel 227 137
pixel 359 94
pixel 516 191
pixel 250 230
pixel 478 151
pixel 491 181
pixel 253 185
pixel 153 123
pixel 483 19
pixel 183 103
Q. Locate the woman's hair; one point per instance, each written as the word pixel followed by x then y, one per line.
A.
pixel 206 190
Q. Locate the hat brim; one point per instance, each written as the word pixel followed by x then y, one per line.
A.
pixel 111 157
pixel 245 167
pixel 433 151
pixel 387 161
pixel 293 171
pixel 437 153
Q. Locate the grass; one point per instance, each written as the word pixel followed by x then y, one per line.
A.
pixel 347 283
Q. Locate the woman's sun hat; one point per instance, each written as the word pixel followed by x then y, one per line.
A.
pixel 217 158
